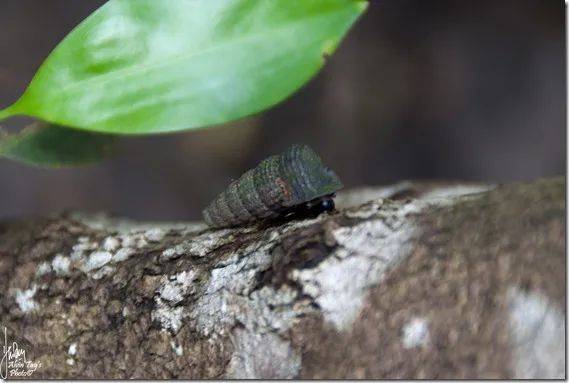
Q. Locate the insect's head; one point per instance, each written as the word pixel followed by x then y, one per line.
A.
pixel 327 204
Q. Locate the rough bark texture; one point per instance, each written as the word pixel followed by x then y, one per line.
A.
pixel 408 281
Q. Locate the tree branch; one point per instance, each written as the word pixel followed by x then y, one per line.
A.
pixel 409 281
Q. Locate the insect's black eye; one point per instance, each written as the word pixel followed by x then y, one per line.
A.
pixel 327 204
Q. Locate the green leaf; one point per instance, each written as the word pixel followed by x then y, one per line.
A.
pixel 146 66
pixel 53 146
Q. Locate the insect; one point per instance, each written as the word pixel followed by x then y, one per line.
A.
pixel 295 182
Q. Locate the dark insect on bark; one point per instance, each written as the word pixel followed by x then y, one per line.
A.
pixel 295 182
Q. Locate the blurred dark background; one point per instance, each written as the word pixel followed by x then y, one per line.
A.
pixel 420 89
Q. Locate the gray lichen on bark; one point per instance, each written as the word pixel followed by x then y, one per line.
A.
pixel 412 280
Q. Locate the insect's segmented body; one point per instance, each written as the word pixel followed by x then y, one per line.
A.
pixel 276 185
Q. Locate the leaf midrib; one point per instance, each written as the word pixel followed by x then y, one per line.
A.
pixel 141 69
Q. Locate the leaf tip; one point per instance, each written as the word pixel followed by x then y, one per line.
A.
pixel 362 5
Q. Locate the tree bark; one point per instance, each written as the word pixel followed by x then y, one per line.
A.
pixel 408 281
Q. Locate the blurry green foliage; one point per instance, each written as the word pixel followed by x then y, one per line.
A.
pixel 154 66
